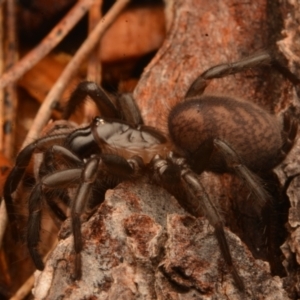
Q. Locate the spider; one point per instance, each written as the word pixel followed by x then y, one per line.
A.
pixel 205 133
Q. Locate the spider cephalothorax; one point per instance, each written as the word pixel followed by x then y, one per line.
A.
pixel 206 133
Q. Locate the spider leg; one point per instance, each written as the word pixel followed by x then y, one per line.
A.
pixel 252 181
pixel 130 111
pixel 35 203
pixel 125 108
pixel 54 157
pixel 85 174
pixel 97 94
pixel 116 166
pixel 222 70
pixel 290 129
pixel 58 212
pixel 191 180
pixel 88 177
pixel 198 204
pixel 18 171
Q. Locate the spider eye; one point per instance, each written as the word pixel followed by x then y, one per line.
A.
pixel 99 121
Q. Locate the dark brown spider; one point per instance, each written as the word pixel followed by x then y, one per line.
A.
pixel 206 133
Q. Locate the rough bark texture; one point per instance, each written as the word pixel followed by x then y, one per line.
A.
pixel 288 172
pixel 140 244
pixel 203 34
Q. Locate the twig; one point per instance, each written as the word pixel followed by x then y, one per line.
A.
pixel 55 93
pixel 7 107
pixel 24 290
pixel 3 221
pixel 6 278
pixel 27 286
pixel 94 63
pixel 47 44
pixel 11 100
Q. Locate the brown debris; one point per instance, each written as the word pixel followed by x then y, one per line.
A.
pixel 52 39
pixel 39 80
pixel 143 31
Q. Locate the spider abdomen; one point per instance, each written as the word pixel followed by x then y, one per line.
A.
pixel 253 133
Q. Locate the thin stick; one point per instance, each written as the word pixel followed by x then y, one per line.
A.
pixel 3 221
pixel 94 63
pixel 47 44
pixel 24 290
pixel 27 286
pixel 55 93
pixel 11 99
